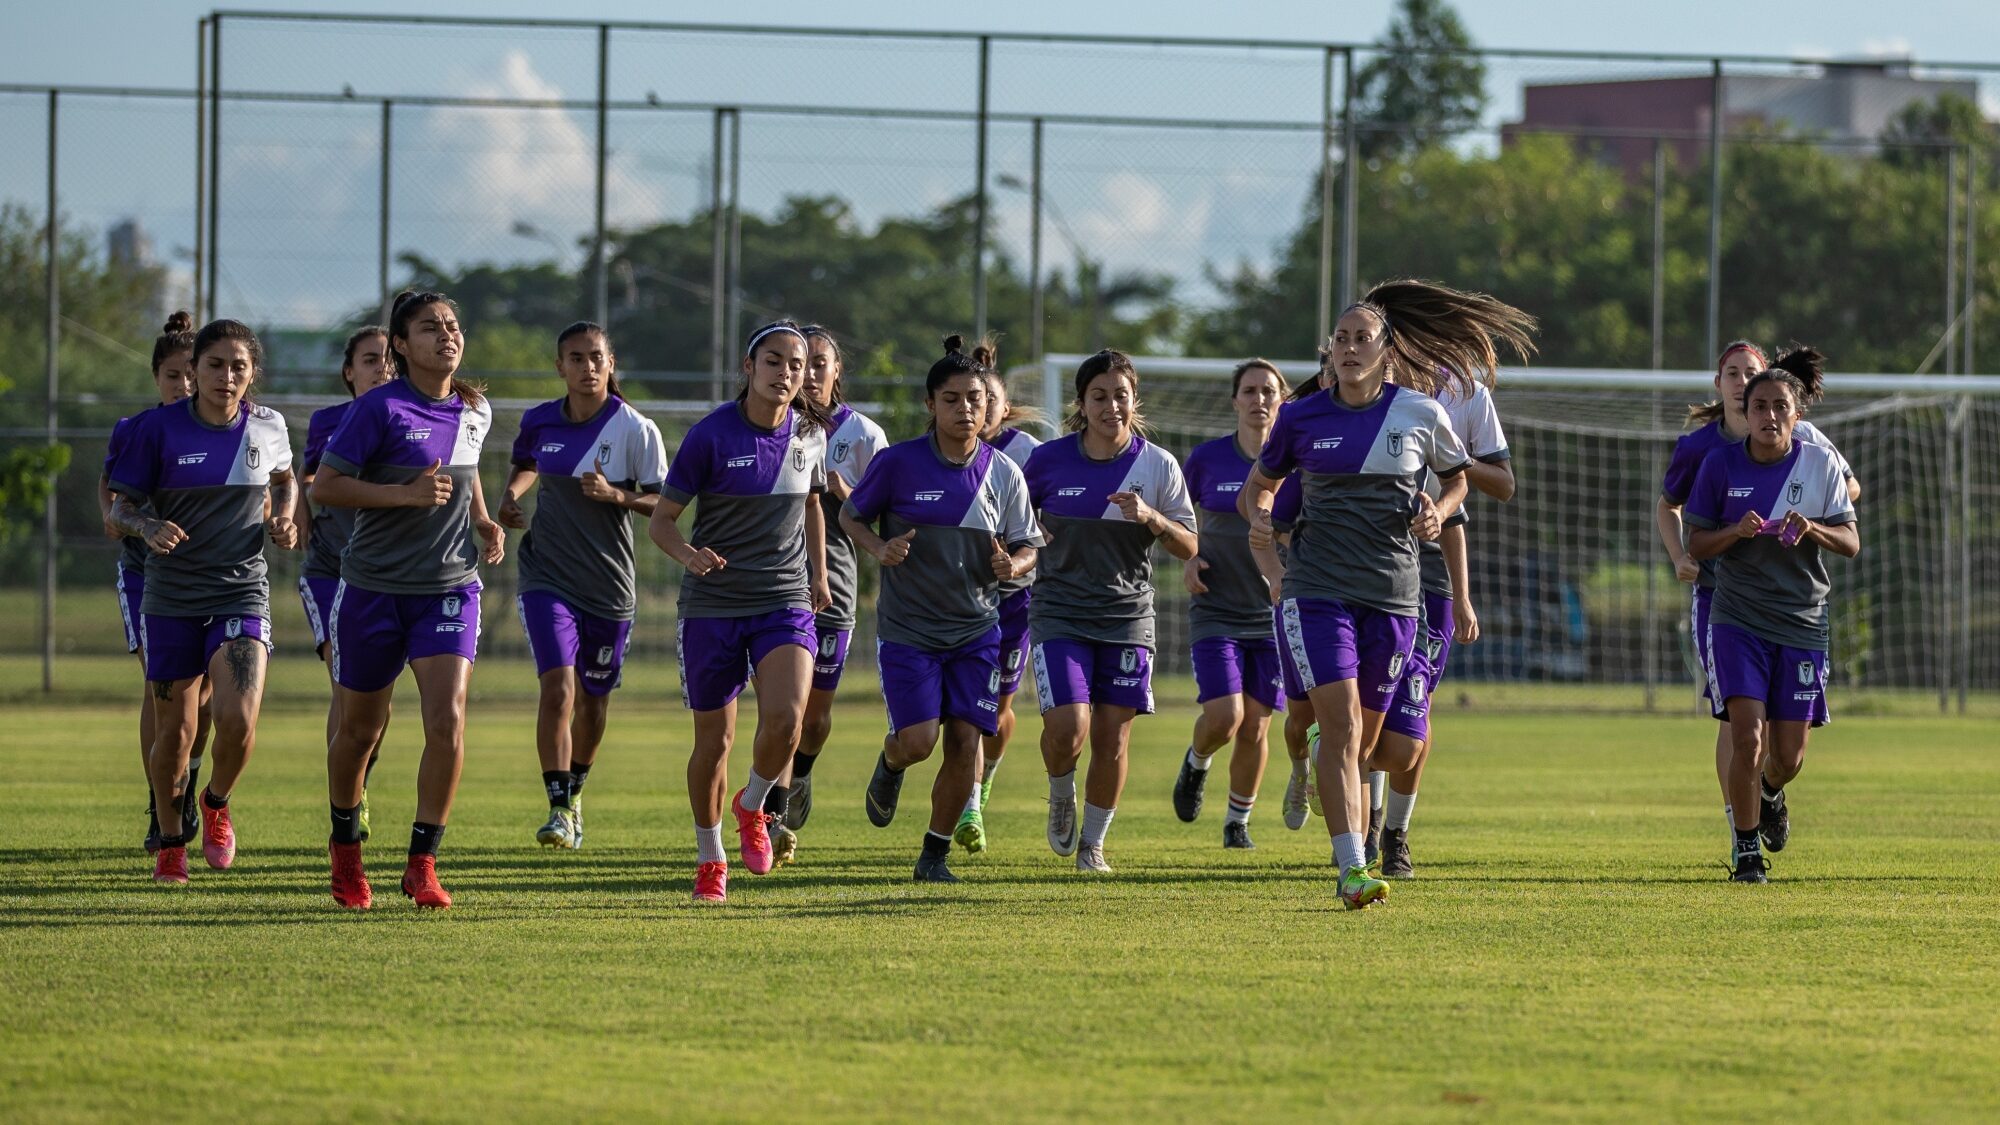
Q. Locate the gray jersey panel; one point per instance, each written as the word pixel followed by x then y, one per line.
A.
pixel 1238 602
pixel 1780 593
pixel 581 549
pixel 767 572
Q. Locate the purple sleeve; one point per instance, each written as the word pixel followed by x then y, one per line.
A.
pixel 1681 469
pixel 1285 505
pixel 358 436
pixel 1708 497
pixel 1191 473
pixel 688 473
pixel 524 442
pixel 317 432
pixel 120 434
pixel 136 471
pixel 1276 460
pixel 1036 473
pixel 871 495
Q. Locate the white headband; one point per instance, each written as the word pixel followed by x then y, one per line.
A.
pixel 773 330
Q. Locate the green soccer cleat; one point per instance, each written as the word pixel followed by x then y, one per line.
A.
pixel 1312 770
pixel 558 832
pixel 576 820
pixel 1358 888
pixel 986 793
pixel 361 816
pixel 971 831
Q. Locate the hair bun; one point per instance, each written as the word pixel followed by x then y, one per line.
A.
pixel 178 323
pixel 984 354
pixel 954 344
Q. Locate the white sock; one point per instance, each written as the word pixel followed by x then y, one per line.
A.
pixel 1198 763
pixel 1239 808
pixel 753 793
pixel 708 843
pixel 1377 782
pixel 1396 811
pixel 992 767
pixel 1301 767
pixel 1347 850
pixel 1096 822
pixel 1062 788
pixel 972 802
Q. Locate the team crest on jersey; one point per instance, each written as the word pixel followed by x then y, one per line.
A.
pixel 1805 672
pixel 799 458
pixel 990 504
pixel 1395 443
pixel 233 628
pixel 1128 660
pixel 253 456
pixel 451 605
pixel 840 449
pixel 603 451
pixel 1795 493
pixel 1396 666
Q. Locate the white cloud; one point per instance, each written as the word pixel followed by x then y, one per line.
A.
pixel 1892 46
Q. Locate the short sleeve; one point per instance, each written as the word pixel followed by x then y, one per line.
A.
pixel 1191 472
pixel 136 473
pixel 1681 469
pixel 649 458
pixel 1172 500
pixel 120 434
pixel 816 482
pixel 359 435
pixel 316 435
pixel 689 471
pixel 1285 505
pixel 1276 460
pixel 1839 507
pixel 1036 473
pixel 1485 441
pixel 1816 436
pixel 1447 451
pixel 282 445
pixel 1708 497
pixel 873 441
pixel 1017 517
pixel 870 496
pixel 523 455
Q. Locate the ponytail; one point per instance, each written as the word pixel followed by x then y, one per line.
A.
pixel 578 329
pixel 177 336
pixel 1438 336
pixel 401 312
pixel 1801 368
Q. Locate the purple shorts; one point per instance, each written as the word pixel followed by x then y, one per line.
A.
pixel 131 592
pixel 316 594
pixel 718 654
pixel 1092 672
pixel 1330 641
pixel 1295 691
pixel 1225 666
pixel 372 635
pixel 1411 715
pixel 562 636
pixel 922 686
pixel 829 656
pixel 1791 682
pixel 1014 639
pixel 179 648
pixel 1698 610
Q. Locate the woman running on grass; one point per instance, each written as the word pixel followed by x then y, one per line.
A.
pixel 1237 678
pixel 1352 593
pixel 1718 423
pixel 1003 432
pixel 173 379
pixel 1106 495
pixel 1765 510
pixel 852 442
pixel 364 366
pixel 756 575
pixel 947 517
pixel 598 461
pixel 406 457
pixel 211 468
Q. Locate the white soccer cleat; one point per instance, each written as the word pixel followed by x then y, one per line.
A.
pixel 1298 800
pixel 1062 827
pixel 1090 858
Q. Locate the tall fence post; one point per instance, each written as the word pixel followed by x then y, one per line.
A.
pixel 1325 198
pixel 979 196
pixel 1973 158
pixel 382 213
pixel 214 151
pixel 200 151
pixel 52 290
pixel 1350 197
pixel 718 270
pixel 735 224
pixel 1968 432
pixel 1714 338
pixel 1650 617
pixel 600 280
pixel 1037 286
pixel 1951 260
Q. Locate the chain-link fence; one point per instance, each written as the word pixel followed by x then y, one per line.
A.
pixel 683 183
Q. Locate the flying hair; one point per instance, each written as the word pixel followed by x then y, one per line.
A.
pixel 1437 335
pixel 177 336
pixel 401 312
pixel 583 327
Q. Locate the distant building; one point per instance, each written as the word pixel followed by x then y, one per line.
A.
pixel 129 245
pixel 1846 101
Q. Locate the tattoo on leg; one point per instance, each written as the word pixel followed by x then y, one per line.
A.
pixel 242 657
pixel 163 689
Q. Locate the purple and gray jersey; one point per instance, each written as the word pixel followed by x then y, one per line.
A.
pixel 581 549
pixel 1094 581
pixel 326 539
pixel 1238 602
pixel 754 485
pixel 1777 592
pixel 1018 445
pixel 1692 448
pixel 943 594
pixel 211 482
pixel 1360 471
pixel 132 550
pixel 1477 424
pixel 850 447
pixel 391 435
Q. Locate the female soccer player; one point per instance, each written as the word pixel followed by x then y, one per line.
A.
pixel 1105 495
pixel 598 460
pixel 756 575
pixel 1236 674
pixel 954 525
pixel 1719 423
pixel 364 366
pixel 1362 446
pixel 407 458
pixel 1765 510
pixel 852 442
pixel 1003 432
pixel 173 379
pixel 205 467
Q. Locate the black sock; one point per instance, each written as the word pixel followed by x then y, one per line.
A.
pixel 425 838
pixel 346 824
pixel 175 841
pixel 578 774
pixel 936 846
pixel 557 783
pixel 883 762
pixel 1771 793
pixel 1746 842
pixel 209 798
pixel 777 800
pixel 152 815
pixel 802 765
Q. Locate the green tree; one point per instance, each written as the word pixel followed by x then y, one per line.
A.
pixel 1915 135
pixel 1422 85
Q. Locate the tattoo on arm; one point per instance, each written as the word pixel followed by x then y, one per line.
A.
pixel 242 657
pixel 284 493
pixel 126 516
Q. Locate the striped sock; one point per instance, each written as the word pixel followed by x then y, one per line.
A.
pixel 1239 808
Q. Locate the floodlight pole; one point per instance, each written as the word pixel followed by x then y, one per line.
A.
pixel 1714 339
pixel 52 300
pixel 1350 188
pixel 601 270
pixel 979 195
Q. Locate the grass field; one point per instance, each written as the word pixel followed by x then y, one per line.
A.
pixel 1569 950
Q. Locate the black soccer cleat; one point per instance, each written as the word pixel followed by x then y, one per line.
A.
pixel 802 803
pixel 1236 834
pixel 1396 854
pixel 191 803
pixel 883 791
pixel 934 869
pixel 1373 846
pixel 1187 791
pixel 1774 822
pixel 1750 868
pixel 152 825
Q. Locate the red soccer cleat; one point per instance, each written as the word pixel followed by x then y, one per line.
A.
pixel 711 882
pixel 170 865
pixel 218 836
pixel 420 882
pixel 752 834
pixel 350 882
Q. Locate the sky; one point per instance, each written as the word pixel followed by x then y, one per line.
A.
pixel 301 182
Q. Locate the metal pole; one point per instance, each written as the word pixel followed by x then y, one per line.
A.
pixel 1652 655
pixel 1951 260
pixel 200 150
pixel 1715 213
pixel 52 299
pixel 382 215
pixel 1967 433
pixel 1966 366
pixel 214 150
pixel 979 196
pixel 1946 571
pixel 1325 323
pixel 718 272
pixel 1350 198
pixel 601 268
pixel 1037 288
pixel 735 224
